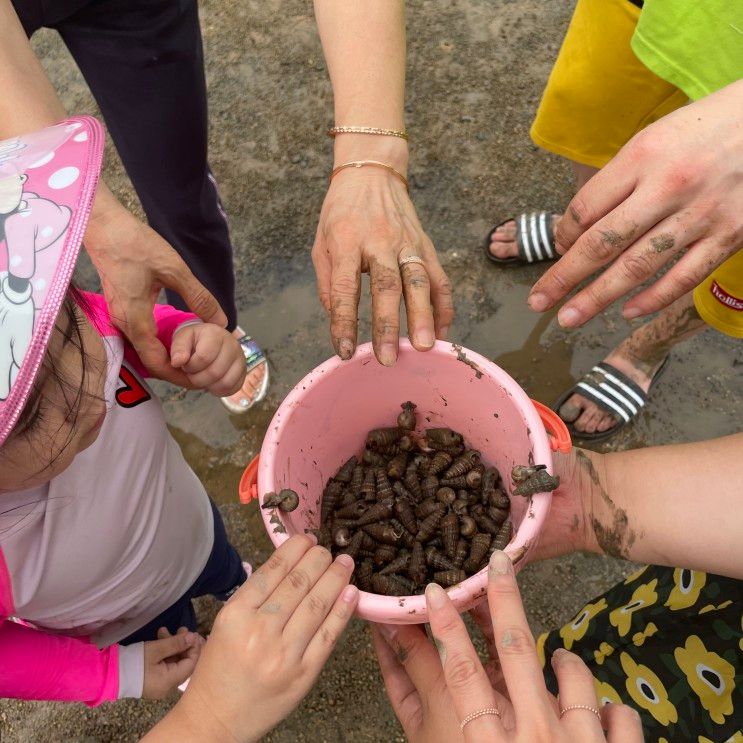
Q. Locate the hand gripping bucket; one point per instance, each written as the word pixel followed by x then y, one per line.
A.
pixel 325 419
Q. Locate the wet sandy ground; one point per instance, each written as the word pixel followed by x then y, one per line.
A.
pixel 475 75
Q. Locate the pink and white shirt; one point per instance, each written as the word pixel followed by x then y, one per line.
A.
pixel 104 547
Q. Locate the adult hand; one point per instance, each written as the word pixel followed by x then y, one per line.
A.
pixel 413 675
pixel 676 186
pixel 134 264
pixel 267 648
pixel 169 661
pixel 367 225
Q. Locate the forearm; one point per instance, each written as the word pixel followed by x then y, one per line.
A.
pixel 674 505
pixel 364 45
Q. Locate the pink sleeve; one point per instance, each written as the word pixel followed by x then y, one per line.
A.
pixel 167 319
pixel 35 665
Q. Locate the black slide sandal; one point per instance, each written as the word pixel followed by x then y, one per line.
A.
pixel 611 391
pixel 534 238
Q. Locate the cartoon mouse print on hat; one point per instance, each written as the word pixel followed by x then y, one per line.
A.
pixel 47 184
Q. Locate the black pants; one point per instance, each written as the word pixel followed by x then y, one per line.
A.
pixel 222 574
pixel 144 63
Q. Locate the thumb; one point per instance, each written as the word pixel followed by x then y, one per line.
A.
pixel 182 347
pixel 196 296
pixel 174 645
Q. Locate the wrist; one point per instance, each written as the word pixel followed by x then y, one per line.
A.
pixel 105 207
pixel 594 492
pixel 605 523
pixel 390 150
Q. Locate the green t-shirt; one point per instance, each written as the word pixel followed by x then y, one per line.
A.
pixel 697 45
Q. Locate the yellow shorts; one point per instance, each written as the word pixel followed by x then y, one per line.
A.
pixel 598 96
pixel 719 298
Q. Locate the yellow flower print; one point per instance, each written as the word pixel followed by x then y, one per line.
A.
pixel 711 677
pixel 574 631
pixel 643 597
pixel 712 607
pixel 604 651
pixel 639 637
pixel 540 647
pixel 647 691
pixel 606 693
pixel 685 592
pixel 634 576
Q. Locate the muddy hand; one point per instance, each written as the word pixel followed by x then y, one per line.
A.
pixel 134 264
pixel 368 225
pixel 674 188
pixel 268 646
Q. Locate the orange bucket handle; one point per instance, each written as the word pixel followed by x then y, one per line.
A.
pixel 558 432
pixel 248 488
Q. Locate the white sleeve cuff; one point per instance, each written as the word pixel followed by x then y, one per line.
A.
pixel 131 670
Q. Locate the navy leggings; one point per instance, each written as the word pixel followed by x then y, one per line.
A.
pixel 222 574
pixel 144 64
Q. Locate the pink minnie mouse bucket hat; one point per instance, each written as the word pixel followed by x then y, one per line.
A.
pixel 47 184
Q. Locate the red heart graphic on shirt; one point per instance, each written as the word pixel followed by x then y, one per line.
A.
pixel 133 392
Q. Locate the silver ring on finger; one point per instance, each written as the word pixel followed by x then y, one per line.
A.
pixel 480 713
pixel 410 259
pixel 580 706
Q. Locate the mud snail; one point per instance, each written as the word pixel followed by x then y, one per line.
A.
pixel 413 508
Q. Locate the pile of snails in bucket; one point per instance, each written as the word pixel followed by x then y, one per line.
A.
pixel 416 508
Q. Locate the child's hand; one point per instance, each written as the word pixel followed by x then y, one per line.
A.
pixel 210 357
pixel 267 648
pixel 169 661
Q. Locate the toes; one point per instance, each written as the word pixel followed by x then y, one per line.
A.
pixel 585 419
pixel 572 408
pixel 606 422
pixel 253 380
pixel 505 232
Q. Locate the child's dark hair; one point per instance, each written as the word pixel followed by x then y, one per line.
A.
pixel 69 323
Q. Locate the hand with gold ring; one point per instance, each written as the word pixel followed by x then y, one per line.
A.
pixel 368 224
pixel 453 699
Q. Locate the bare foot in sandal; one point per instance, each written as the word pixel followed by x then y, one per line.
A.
pixel 503 242
pixel 255 386
pixel 639 357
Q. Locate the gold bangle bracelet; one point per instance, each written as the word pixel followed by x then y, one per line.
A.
pixel 376 164
pixel 366 130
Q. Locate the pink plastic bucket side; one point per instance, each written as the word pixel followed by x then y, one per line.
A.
pixel 322 421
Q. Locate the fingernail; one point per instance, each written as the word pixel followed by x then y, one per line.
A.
pixel 191 638
pixel 435 595
pixel 568 317
pixel 388 354
pixel 538 302
pixel 345 349
pixel 500 564
pixel 425 338
pixel 389 631
pixel 630 313
pixel 444 332
pixel 345 560
pixel 312 537
pixel 559 655
pixel 349 594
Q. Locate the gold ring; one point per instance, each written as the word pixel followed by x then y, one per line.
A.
pixel 479 713
pixel 411 259
pixel 581 706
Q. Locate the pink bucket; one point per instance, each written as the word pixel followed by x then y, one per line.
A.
pixel 325 418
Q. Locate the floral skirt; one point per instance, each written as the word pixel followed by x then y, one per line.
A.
pixel 668 642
